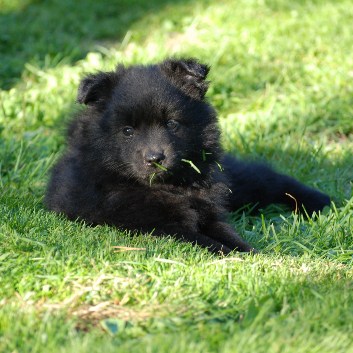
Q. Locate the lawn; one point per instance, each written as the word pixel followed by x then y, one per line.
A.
pixel 282 83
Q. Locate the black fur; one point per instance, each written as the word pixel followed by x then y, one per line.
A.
pixel 145 155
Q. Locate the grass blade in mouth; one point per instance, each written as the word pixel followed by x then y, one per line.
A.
pixel 192 165
pixel 160 166
pixel 220 167
pixel 151 178
pixel 204 154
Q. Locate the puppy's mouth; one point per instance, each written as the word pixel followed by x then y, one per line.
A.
pixel 156 172
pixel 158 167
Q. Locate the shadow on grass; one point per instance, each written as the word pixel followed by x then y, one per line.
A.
pixel 48 32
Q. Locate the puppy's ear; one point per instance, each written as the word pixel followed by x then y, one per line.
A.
pixel 96 89
pixel 187 74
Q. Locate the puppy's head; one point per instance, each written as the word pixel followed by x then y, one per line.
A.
pixel 151 122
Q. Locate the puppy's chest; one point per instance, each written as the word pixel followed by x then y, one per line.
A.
pixel 200 200
pixel 164 196
pixel 182 204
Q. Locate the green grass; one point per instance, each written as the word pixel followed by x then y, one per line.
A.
pixel 282 85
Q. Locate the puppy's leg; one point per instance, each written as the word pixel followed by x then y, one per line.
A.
pixel 255 183
pixel 160 214
pixel 213 244
pixel 222 232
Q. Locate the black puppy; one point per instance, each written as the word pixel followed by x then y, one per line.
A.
pixel 145 155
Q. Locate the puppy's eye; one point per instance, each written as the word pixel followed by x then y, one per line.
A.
pixel 172 124
pixel 128 131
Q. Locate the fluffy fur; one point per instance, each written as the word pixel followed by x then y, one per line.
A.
pixel 145 155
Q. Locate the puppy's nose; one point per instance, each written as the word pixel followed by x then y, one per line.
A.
pixel 154 157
